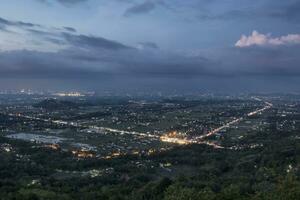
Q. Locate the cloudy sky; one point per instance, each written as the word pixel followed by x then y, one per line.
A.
pixel 190 45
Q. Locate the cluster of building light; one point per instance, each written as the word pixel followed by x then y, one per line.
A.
pixel 6 147
pixel 83 153
pixel 175 137
pixel 69 94
pixel 180 141
pixel 52 146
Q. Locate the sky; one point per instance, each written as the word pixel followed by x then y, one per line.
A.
pixel 151 45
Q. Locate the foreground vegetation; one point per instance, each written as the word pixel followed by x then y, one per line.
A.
pixel 197 172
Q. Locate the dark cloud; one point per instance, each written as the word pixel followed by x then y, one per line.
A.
pixel 230 15
pixel 33 64
pixel 64 36
pixel 84 55
pixel 62 39
pixel 70 38
pixel 83 41
pixel 146 6
pixel 71 1
pixel 286 10
pixel 261 61
pixel 70 29
pixel 289 10
pixel 5 22
pixel 141 8
pixel 148 45
pixel 37 32
pixel 77 63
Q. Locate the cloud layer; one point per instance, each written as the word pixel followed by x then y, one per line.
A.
pixel 161 43
pixel 47 51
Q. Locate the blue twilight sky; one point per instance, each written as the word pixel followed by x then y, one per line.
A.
pixel 211 45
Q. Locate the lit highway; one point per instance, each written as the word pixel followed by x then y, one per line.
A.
pixel 235 121
pixel 200 139
pixel 95 128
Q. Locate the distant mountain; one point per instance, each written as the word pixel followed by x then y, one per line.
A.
pixel 53 104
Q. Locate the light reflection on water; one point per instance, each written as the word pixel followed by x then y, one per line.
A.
pixel 36 138
pixel 48 139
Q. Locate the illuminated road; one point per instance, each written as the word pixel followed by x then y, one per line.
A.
pixel 77 125
pixel 235 121
pixel 200 139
